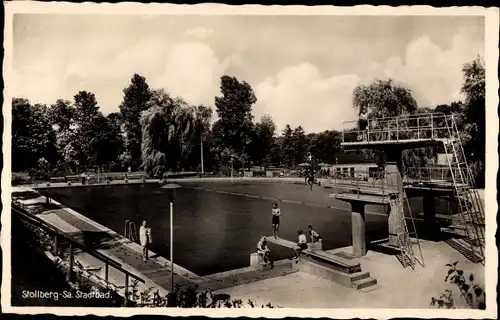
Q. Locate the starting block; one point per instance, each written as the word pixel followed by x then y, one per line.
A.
pixel 257 262
pixel 316 246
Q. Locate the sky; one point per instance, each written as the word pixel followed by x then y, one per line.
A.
pixel 303 69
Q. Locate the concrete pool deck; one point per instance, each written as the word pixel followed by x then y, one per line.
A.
pixel 397 287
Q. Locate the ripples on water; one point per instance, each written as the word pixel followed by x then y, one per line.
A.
pixel 215 232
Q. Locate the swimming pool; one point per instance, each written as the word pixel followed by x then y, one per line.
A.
pixel 213 231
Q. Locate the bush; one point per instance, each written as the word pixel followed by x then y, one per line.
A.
pixel 473 295
pixel 259 173
pixel 477 171
pixel 191 297
pixel 19 178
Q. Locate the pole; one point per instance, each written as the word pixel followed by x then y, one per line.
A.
pixel 70 267
pixel 231 167
pixel 172 244
pixel 202 166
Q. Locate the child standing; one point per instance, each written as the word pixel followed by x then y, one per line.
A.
pixel 276 220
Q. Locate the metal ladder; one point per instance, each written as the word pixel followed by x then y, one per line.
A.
pixel 407 257
pixel 130 230
pixel 471 211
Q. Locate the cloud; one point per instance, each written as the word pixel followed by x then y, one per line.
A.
pixel 309 86
pixel 192 71
pixel 199 32
pixel 300 95
pixel 433 74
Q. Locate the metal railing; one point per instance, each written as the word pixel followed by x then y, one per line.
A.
pixel 432 174
pixel 59 235
pixel 370 182
pixel 411 127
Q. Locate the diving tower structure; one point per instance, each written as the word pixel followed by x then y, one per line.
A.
pixel 392 184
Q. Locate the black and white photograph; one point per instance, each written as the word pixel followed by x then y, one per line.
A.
pixel 258 161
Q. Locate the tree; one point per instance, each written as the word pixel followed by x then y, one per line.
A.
pixel 32 136
pixel 265 131
pixel 62 115
pixel 287 146
pixel 383 99
pixel 234 109
pixel 325 146
pixel 115 137
pixel 203 116
pixel 455 107
pixel 275 155
pixel 93 138
pixel 300 145
pixel 474 139
pixel 166 131
pixel 135 100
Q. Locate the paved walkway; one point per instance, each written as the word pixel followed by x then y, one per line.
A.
pixel 397 287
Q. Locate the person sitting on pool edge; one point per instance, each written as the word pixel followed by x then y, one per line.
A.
pixel 315 237
pixel 301 245
pixel 264 251
pixel 145 239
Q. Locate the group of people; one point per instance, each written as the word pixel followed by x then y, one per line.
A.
pixel 145 238
pixel 265 253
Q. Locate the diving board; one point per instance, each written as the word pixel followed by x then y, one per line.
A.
pixel 343 270
pixel 324 258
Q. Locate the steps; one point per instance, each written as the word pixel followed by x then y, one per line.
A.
pixel 358 280
pixel 364 283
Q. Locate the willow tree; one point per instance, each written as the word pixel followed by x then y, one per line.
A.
pixel 386 99
pixel 382 99
pixel 167 126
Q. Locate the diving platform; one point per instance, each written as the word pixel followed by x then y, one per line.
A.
pixel 368 199
pixel 393 135
pixel 339 267
pixel 405 132
pixel 403 143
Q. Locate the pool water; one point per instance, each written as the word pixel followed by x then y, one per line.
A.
pixel 215 232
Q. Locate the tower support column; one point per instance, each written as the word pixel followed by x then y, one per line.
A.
pixel 396 222
pixel 358 228
pixel 429 204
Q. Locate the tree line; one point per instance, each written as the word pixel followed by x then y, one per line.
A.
pixel 156 132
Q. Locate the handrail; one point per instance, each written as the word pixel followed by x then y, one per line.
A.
pixel 416 126
pixel 44 225
pixel 403 117
pixel 364 180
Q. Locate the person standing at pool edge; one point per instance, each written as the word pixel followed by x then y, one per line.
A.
pixel 145 238
pixel 276 220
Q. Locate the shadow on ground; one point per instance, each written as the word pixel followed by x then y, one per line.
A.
pixel 96 239
pixel 43 207
pixel 25 195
